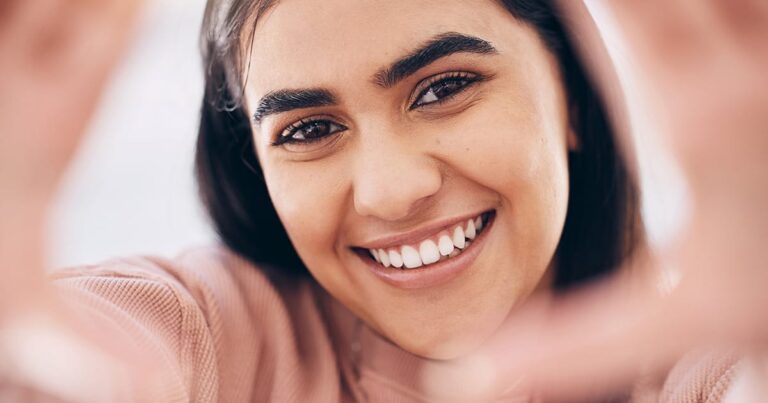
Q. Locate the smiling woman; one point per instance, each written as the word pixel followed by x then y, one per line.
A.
pixel 392 181
pixel 432 164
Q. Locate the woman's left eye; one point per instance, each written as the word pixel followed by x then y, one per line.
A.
pixel 308 131
pixel 441 88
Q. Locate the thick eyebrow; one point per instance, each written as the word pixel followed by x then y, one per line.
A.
pixel 440 46
pixel 288 100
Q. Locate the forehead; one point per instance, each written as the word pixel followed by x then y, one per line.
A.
pixel 308 43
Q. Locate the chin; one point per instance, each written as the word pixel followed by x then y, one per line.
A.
pixel 447 350
pixel 449 344
pixel 451 351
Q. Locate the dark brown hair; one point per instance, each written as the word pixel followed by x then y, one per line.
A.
pixel 602 219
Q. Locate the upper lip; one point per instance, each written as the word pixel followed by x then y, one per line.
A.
pixel 416 235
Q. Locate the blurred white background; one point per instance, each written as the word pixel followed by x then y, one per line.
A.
pixel 131 189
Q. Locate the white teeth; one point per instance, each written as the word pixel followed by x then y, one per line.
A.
pixel 411 258
pixel 384 256
pixel 445 245
pixel 458 237
pixel 429 253
pixel 479 223
pixel 395 259
pixel 471 232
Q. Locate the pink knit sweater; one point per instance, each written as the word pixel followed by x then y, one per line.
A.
pixel 219 330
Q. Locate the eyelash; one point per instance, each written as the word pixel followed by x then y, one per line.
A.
pixel 431 83
pixel 287 135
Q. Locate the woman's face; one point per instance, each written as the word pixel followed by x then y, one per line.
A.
pixel 385 128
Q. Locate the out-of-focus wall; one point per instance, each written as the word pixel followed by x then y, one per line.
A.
pixel 131 189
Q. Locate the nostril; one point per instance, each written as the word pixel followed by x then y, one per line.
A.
pixel 394 182
pixel 392 206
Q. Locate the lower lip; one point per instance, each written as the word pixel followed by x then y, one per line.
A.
pixel 436 273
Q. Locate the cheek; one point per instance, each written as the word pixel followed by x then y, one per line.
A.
pixel 311 201
pixel 307 207
pixel 512 151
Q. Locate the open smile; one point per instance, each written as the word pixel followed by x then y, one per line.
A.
pixel 432 259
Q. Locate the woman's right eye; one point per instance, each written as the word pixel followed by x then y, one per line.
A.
pixel 308 131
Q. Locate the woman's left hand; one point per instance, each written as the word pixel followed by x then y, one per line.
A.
pixel 705 80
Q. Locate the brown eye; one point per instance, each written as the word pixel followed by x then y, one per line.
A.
pixel 314 130
pixel 443 88
pixel 308 131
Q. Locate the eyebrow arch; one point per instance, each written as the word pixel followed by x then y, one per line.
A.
pixel 440 46
pixel 288 100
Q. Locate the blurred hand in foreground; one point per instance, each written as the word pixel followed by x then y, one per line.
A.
pixel 704 66
pixel 56 58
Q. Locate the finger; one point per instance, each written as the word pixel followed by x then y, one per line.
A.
pixel 6 8
pixel 742 15
pixel 41 32
pixel 688 33
pixel 26 23
pixel 94 31
pixel 592 345
pixel 665 33
pixel 597 343
pixel 98 37
pixel 661 38
pixel 745 25
pixel 585 346
pixel 587 39
pixel 65 83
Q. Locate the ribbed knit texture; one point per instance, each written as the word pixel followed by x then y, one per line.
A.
pixel 217 329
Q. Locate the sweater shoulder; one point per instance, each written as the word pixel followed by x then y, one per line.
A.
pixel 701 377
pixel 217 321
pixel 210 281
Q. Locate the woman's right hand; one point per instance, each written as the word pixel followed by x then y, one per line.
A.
pixel 56 58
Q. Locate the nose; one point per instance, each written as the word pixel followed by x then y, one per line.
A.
pixel 393 179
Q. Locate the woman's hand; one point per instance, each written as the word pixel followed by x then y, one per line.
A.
pixel 704 68
pixel 57 55
pixel 56 58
